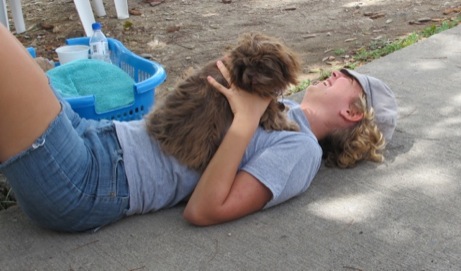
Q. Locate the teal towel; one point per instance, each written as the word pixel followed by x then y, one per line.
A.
pixel 111 86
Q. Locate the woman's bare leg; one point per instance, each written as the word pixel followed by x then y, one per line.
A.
pixel 27 104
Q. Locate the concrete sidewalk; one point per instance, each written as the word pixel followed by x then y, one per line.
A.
pixel 404 214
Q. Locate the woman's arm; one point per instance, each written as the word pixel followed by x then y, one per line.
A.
pixel 223 193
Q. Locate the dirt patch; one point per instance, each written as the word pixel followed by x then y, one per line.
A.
pixel 188 33
pixel 180 34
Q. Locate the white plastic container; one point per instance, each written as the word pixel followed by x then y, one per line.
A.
pixel 68 53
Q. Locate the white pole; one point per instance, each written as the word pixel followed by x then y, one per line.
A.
pixel 86 15
pixel 4 14
pixel 121 6
pixel 98 8
pixel 18 17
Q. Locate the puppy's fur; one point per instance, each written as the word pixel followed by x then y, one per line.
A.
pixel 194 117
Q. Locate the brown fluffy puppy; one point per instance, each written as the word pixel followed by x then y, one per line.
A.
pixel 193 118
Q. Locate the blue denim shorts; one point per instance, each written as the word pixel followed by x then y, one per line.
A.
pixel 72 178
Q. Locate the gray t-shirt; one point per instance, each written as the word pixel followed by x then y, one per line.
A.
pixel 285 162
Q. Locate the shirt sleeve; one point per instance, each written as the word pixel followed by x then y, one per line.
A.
pixel 287 167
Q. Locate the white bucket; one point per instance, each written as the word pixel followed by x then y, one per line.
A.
pixel 70 53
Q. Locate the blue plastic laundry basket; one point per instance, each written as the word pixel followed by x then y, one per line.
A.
pixel 146 74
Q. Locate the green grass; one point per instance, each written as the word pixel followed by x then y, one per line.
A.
pixel 305 83
pixel 300 87
pixel 445 25
pixel 7 201
pixel 380 48
pixel 339 52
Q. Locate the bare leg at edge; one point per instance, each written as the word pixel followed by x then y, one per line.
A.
pixel 27 103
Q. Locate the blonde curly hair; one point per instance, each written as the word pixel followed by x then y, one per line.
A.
pixel 364 141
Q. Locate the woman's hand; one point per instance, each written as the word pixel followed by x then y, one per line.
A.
pixel 243 104
pixel 223 192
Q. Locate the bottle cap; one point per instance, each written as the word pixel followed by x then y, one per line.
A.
pixel 96 26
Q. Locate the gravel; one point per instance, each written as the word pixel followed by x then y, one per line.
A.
pixel 6 198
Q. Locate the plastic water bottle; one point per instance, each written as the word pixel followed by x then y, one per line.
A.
pixel 99 47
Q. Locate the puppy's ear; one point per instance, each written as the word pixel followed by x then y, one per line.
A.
pixel 241 75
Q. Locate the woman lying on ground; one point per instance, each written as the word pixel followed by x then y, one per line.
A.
pixel 73 174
